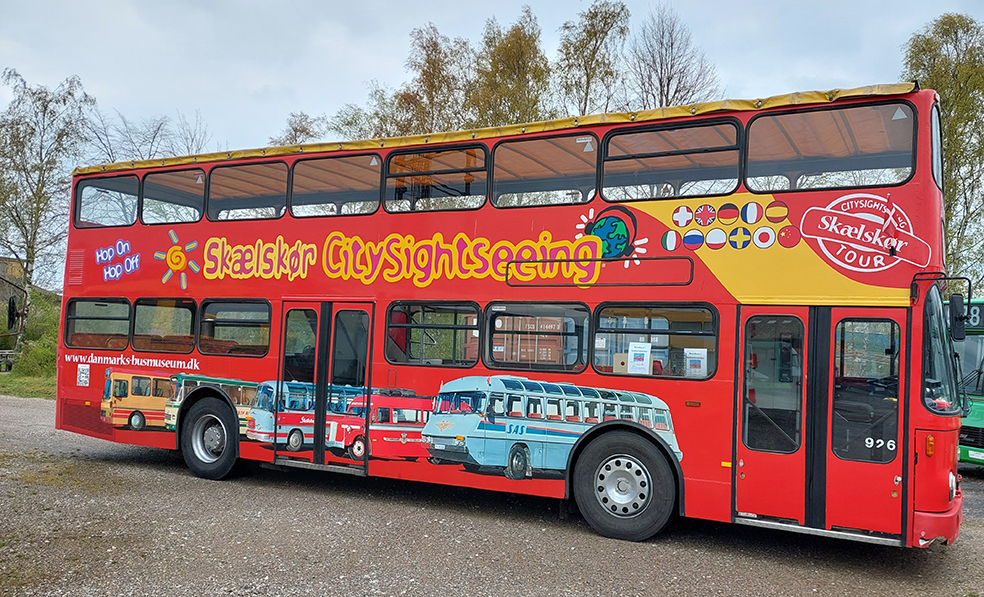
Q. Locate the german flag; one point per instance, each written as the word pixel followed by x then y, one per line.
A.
pixel 728 214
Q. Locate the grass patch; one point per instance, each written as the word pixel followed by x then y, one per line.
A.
pixel 27 387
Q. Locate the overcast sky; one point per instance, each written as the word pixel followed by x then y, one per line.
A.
pixel 245 65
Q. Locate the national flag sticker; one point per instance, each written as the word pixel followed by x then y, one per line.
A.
pixel 776 212
pixel 751 213
pixel 671 240
pixel 739 238
pixel 789 237
pixel 682 216
pixel 704 215
pixel 764 237
pixel 693 239
pixel 728 214
pixel 716 238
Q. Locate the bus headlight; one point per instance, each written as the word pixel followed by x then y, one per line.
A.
pixel 953 486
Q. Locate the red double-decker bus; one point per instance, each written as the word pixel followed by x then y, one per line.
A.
pixel 730 311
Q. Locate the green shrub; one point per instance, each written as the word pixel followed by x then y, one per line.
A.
pixel 38 356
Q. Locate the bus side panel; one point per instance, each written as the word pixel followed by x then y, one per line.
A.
pixel 455 475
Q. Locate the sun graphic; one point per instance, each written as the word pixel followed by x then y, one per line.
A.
pixel 616 227
pixel 176 260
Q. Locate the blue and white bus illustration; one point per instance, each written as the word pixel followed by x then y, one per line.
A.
pixel 521 425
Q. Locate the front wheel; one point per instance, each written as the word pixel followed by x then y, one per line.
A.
pixel 518 464
pixel 357 451
pixel 295 440
pixel 624 486
pixel 209 439
pixel 137 420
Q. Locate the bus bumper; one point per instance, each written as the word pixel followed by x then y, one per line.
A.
pixel 930 526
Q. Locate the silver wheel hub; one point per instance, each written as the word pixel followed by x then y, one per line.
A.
pixel 209 438
pixel 623 486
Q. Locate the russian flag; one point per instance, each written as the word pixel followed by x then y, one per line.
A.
pixel 716 238
pixel 693 239
pixel 751 213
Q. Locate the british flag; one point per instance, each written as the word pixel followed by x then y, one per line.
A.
pixel 704 215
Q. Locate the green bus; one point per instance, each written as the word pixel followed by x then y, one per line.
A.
pixel 971 353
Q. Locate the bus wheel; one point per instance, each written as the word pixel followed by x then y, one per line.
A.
pixel 519 462
pixel 624 486
pixel 208 439
pixel 137 420
pixel 295 440
pixel 357 451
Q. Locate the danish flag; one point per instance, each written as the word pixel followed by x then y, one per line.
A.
pixel 682 216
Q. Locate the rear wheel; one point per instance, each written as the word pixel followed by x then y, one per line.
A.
pixel 137 420
pixel 209 438
pixel 624 486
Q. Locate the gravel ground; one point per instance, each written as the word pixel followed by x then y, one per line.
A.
pixel 86 517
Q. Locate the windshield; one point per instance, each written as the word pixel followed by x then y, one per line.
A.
pixel 939 386
pixel 971 353
pixel 460 402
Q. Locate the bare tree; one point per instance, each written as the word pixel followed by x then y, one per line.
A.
pixel 191 137
pixel 121 139
pixel 587 67
pixel 666 67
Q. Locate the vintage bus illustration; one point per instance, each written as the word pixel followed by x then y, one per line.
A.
pixel 284 415
pixel 520 425
pixel 242 395
pixel 135 398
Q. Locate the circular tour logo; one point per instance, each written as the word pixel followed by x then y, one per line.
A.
pixel 862 232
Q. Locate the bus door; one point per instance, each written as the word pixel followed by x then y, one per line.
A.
pixel 323 382
pixel 864 469
pixel 771 456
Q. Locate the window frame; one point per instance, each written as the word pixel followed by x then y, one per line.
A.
pixel 715 322
pixel 201 321
pixel 516 140
pixel 383 199
pixel 488 335
pixel 140 203
pixel 738 147
pixel 208 190
pixel 380 196
pixel 77 201
pixel 480 321
pixel 194 322
pixel 748 136
pixel 115 300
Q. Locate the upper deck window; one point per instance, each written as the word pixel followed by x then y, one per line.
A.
pixel 688 161
pixel 857 146
pixel 103 202
pixel 436 180
pixel 173 197
pixel 335 186
pixel 560 170
pixel 248 192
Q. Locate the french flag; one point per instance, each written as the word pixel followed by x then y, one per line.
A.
pixel 751 213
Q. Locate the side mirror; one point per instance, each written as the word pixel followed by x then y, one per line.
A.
pixel 958 317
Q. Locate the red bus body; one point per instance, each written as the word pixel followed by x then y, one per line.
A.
pixel 814 265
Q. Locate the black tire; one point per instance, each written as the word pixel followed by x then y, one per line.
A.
pixel 471 467
pixel 624 486
pixel 518 463
pixel 209 439
pixel 295 440
pixel 359 450
pixel 137 420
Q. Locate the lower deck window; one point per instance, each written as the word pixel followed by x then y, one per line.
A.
pixel 164 325
pixel 549 337
pixel 234 328
pixel 97 323
pixel 656 340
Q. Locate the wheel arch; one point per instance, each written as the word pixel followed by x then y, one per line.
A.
pixel 194 398
pixel 633 427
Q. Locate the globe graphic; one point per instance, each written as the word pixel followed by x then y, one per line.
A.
pixel 614 235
